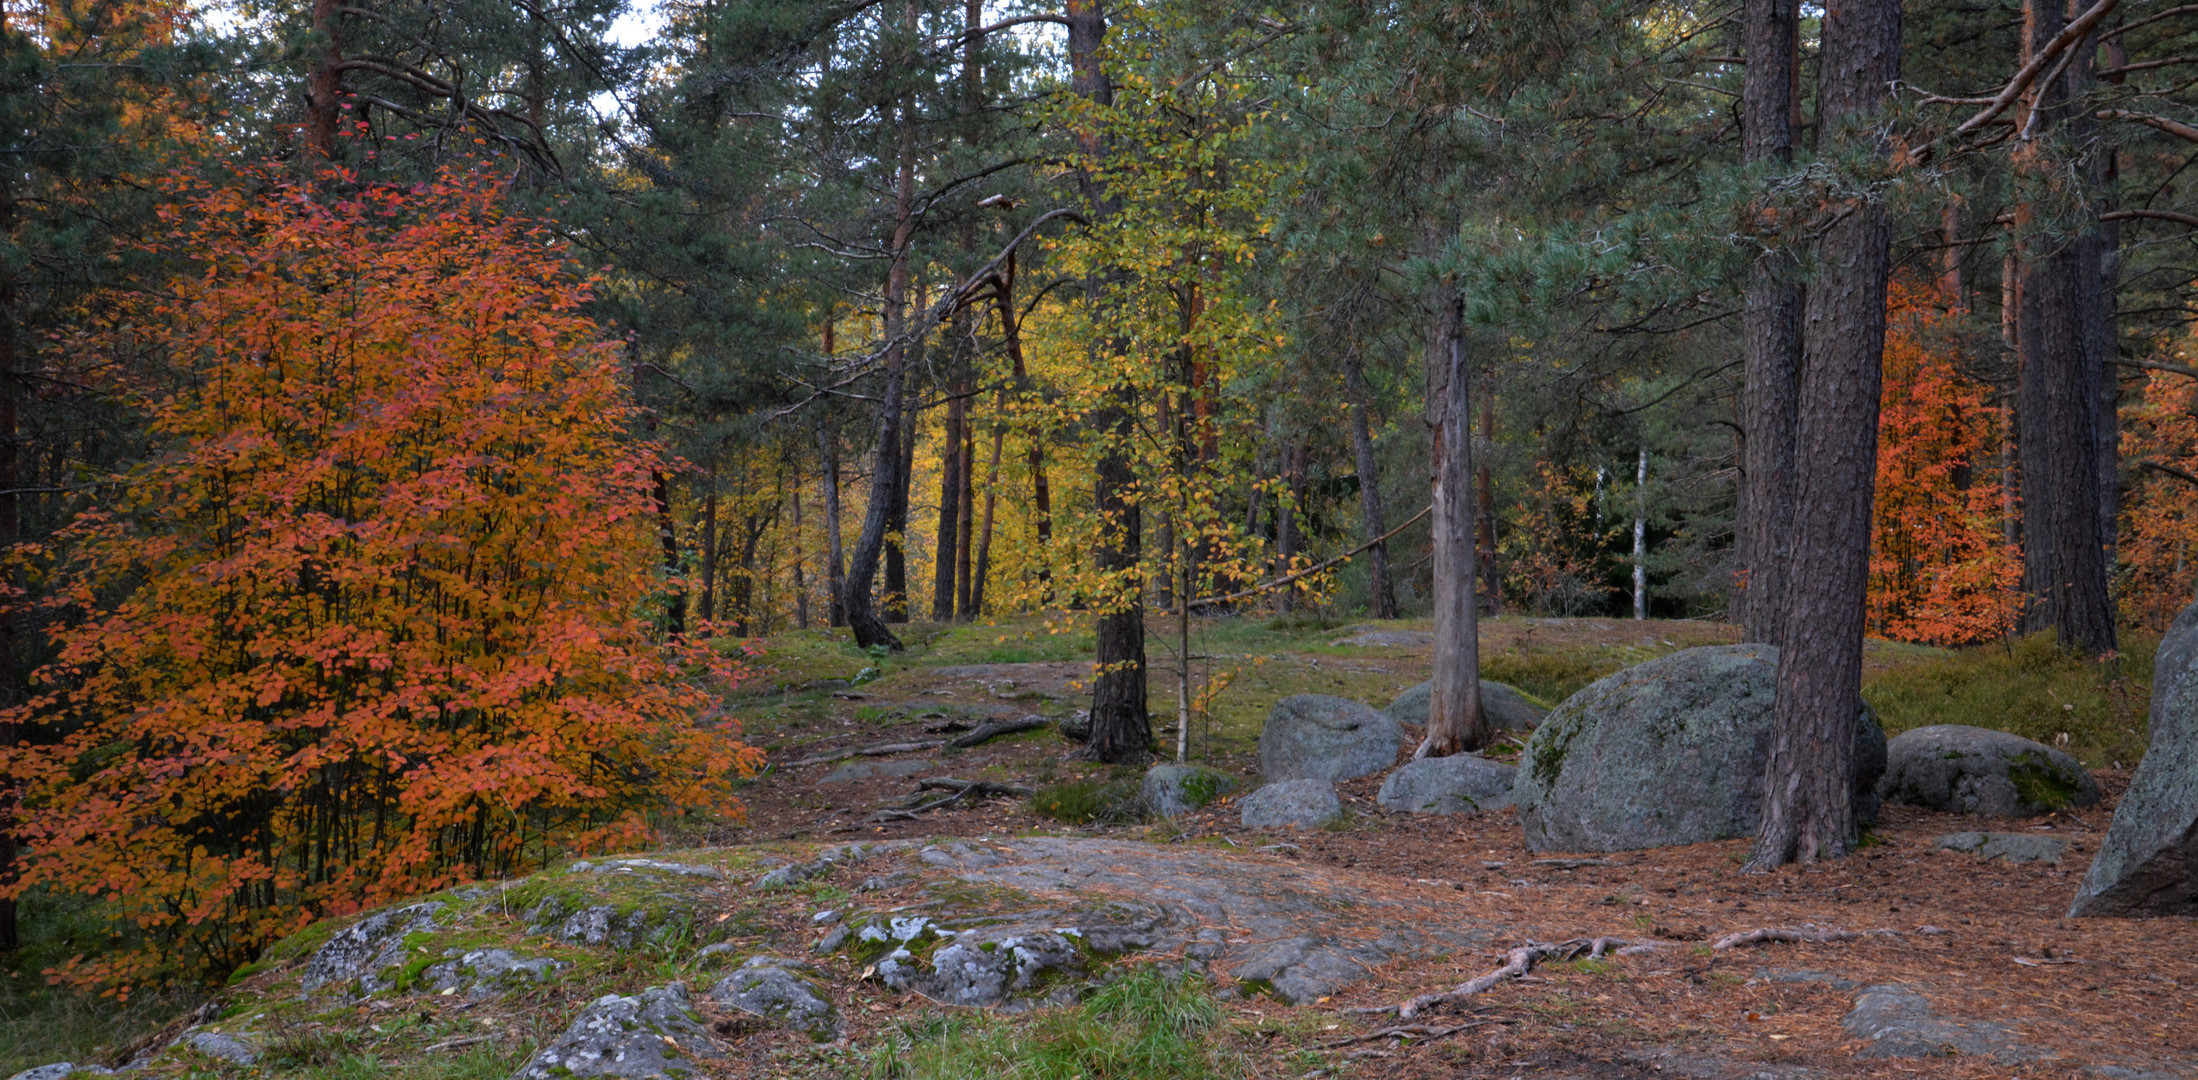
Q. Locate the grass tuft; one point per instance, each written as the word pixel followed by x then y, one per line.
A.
pixel 2094 710
pixel 1148 1024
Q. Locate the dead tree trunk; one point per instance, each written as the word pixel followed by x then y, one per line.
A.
pixel 1455 720
pixel 1808 810
pixel 1770 125
pixel 1373 519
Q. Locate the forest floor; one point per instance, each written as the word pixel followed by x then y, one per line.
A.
pixel 1966 958
pixel 2001 973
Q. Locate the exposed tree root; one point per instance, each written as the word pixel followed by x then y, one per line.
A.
pixel 1422 1032
pixel 880 750
pixel 917 804
pixel 1791 935
pixel 992 729
pixel 1516 963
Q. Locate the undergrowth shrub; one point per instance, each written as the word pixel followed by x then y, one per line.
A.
pixel 375 616
pixel 2032 687
pixel 1148 1024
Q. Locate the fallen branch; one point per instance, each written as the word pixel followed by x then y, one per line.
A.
pixel 1516 963
pixel 1422 1032
pixel 880 750
pixel 993 729
pixel 961 788
pixel 1793 935
pixel 453 1044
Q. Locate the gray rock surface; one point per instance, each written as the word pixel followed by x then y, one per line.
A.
pixel 2148 863
pixel 781 991
pixel 826 860
pixel 1970 770
pixel 1896 1021
pixel 1507 709
pixel 1665 753
pixel 1458 784
pixel 1314 736
pixel 1298 931
pixel 217 1044
pixel 484 973
pixel 997 969
pixel 1174 790
pixel 1297 804
pixel 2008 847
pixel 367 948
pixel 653 1034
pixel 645 866
pixel 56 1071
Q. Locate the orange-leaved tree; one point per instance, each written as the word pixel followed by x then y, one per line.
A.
pixel 1941 571
pixel 371 617
pixel 2158 542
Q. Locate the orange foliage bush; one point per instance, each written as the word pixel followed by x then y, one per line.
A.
pixel 2159 526
pixel 371 619
pixel 1940 569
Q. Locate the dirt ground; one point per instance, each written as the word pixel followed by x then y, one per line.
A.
pixel 1984 941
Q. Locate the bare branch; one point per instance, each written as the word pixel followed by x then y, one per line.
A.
pixel 2069 35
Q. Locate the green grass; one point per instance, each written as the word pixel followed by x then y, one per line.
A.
pixel 2031 687
pixel 1081 802
pixel 1147 1025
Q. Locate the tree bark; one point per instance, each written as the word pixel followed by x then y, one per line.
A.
pixel 968 499
pixel 2059 395
pixel 1484 503
pixel 706 609
pixel 943 576
pixel 667 535
pixel 324 91
pixel 897 602
pixel 1455 721
pixel 1772 329
pixel 1121 727
pixel 1640 537
pixel 862 569
pixel 1808 808
pixel 1373 517
pixel 1293 457
pixel 835 557
pixel 801 584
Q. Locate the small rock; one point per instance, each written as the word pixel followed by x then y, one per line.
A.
pixel 226 1047
pixel 1507 708
pixel 55 1071
pixel 1458 784
pixel 831 942
pixel 779 991
pixel 882 882
pixel 655 1034
pixel 2148 863
pixel 721 948
pixel 366 948
pixel 1313 736
pixel 2010 847
pixel 1293 803
pixel 1076 728
pixel 1970 770
pixel 825 917
pixel 1175 790
pixel 1897 1022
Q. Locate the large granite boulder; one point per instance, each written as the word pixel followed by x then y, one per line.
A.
pixel 1969 770
pixel 1174 790
pixel 1294 804
pixel 1317 737
pixel 1665 753
pixel 2148 863
pixel 1458 784
pixel 1507 709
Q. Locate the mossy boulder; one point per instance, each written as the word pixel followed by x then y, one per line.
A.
pixel 1292 804
pixel 1175 790
pixel 364 953
pixel 1666 753
pixel 1970 770
pixel 782 991
pixel 2148 863
pixel 653 1034
pixel 1507 708
pixel 1458 784
pixel 1317 737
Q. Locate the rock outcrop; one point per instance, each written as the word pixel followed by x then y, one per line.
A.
pixel 1507 709
pixel 2006 847
pixel 1291 804
pixel 782 991
pixel 1317 737
pixel 1668 752
pixel 365 951
pixel 2148 863
pixel 1970 770
pixel 652 1034
pixel 1458 784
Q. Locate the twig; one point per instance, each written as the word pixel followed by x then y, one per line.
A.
pixel 992 729
pixel 1423 1032
pixel 455 1043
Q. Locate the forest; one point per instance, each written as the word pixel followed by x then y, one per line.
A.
pixel 425 424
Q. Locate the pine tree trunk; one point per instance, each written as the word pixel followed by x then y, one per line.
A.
pixel 324 91
pixel 950 502
pixel 898 603
pixel 1455 720
pixel 2058 412
pixel 706 609
pixel 1286 523
pixel 1121 728
pixel 1373 518
pixel 1808 808
pixel 801 584
pixel 968 499
pixel 1484 504
pixel 667 535
pixel 1772 330
pixel 862 568
pixel 835 555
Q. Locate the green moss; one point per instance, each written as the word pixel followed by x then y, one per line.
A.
pixel 1548 747
pixel 1089 801
pixel 2094 710
pixel 2040 783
